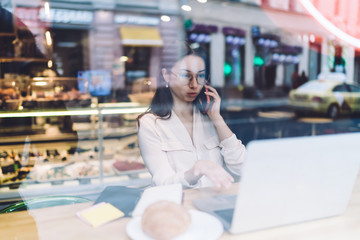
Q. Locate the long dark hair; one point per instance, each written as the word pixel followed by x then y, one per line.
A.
pixel 162 102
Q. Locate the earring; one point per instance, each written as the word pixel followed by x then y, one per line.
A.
pixel 166 85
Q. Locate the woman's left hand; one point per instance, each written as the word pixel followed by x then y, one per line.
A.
pixel 214 111
pixel 222 128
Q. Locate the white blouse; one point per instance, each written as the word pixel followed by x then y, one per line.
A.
pixel 168 150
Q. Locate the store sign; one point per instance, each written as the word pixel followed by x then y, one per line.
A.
pixel 200 37
pixel 136 20
pixel 286 54
pixel 136 74
pixel 264 42
pixel 284 58
pixel 235 40
pixel 66 16
pixel 96 82
pixel 29 16
pixel 255 31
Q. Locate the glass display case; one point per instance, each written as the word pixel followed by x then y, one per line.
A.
pixel 98 147
pixel 67 122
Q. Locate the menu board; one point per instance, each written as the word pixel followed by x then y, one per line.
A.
pixel 95 82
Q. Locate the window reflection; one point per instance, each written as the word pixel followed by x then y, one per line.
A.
pixel 74 76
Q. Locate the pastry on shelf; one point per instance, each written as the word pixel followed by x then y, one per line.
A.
pixel 23 172
pixel 87 169
pixel 48 172
pixel 127 165
pixel 74 150
pixel 8 169
pixel 92 168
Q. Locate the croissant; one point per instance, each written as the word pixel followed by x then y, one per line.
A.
pixel 165 220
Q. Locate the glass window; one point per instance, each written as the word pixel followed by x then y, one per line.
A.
pixel 340 88
pixel 137 64
pixel 354 88
pixel 76 76
pixel 315 86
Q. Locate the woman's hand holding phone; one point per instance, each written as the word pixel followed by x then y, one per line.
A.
pixel 214 115
pixel 204 101
pixel 214 110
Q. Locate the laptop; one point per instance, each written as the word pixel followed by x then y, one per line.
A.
pixel 289 180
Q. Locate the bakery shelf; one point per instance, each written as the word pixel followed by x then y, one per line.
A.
pixel 131 174
pixel 73 112
pixel 22 59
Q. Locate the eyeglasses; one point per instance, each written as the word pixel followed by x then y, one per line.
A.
pixel 187 77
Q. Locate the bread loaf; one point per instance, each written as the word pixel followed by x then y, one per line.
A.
pixel 165 220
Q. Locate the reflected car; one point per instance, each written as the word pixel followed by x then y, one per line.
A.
pixel 329 97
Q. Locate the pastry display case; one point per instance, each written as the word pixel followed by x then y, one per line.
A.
pixel 67 110
pixel 100 148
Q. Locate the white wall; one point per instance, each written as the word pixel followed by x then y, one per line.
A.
pixel 217 56
pixel 324 56
pixel 350 63
pixel 280 80
pixel 249 61
pixel 304 58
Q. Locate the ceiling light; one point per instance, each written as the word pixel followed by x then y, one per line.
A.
pixel 47 9
pixel 165 18
pixel 124 58
pixel 312 38
pixel 186 8
pixel 48 38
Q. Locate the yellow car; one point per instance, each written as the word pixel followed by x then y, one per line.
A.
pixel 330 97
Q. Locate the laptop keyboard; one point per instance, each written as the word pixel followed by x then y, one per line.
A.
pixel 221 206
pixel 226 214
pixel 226 199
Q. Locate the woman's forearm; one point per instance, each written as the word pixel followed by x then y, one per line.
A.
pixel 222 128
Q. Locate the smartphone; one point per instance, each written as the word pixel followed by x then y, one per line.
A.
pixel 203 101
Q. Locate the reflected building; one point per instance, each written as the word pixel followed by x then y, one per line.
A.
pixel 102 58
pixel 279 37
pixel 120 38
pixel 252 44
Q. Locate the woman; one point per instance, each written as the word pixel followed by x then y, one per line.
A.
pixel 178 143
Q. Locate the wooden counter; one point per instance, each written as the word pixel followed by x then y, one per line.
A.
pixel 61 223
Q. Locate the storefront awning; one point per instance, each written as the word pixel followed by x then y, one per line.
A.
pixel 140 36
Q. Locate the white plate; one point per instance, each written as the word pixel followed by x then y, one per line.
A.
pixel 203 226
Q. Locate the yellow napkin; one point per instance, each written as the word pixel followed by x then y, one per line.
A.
pixel 100 214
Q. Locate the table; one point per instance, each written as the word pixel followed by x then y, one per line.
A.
pixel 61 223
